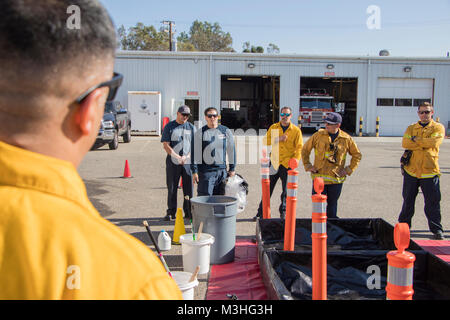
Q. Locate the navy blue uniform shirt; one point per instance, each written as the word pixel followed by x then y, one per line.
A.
pixel 179 136
pixel 210 148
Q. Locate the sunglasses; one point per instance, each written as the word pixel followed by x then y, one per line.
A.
pixel 425 112
pixel 186 114
pixel 212 115
pixel 112 84
pixel 333 149
pixel 285 114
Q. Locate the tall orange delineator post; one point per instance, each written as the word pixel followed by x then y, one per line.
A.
pixel 265 184
pixel 319 242
pixel 291 206
pixel 400 266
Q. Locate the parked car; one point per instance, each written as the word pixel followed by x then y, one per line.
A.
pixel 116 122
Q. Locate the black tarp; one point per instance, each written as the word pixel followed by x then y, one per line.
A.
pixel 349 276
pixel 352 246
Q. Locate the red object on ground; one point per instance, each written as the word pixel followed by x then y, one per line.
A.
pixel 241 277
pixel 440 248
pixel 126 171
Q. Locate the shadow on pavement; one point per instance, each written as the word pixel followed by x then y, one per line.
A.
pixel 94 189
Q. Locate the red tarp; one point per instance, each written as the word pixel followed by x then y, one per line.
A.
pixel 440 248
pixel 241 277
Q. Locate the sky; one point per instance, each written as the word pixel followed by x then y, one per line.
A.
pixel 323 27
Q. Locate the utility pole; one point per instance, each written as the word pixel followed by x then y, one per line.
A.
pixel 171 31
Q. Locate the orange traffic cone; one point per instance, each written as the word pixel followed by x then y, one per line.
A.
pixel 126 172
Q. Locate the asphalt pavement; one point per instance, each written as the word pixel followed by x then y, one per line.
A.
pixel 374 190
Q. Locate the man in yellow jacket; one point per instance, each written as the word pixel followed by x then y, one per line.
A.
pixel 286 141
pixel 54 84
pixel 331 146
pixel 423 139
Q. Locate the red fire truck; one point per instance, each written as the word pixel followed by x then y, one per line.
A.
pixel 315 104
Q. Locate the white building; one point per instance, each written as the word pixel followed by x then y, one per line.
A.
pixel 248 89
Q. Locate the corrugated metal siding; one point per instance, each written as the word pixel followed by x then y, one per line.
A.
pixel 439 71
pixel 174 74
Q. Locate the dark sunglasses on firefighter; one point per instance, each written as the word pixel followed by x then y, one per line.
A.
pixel 113 86
pixel 333 149
pixel 425 112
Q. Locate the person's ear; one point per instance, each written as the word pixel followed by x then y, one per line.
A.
pixel 86 113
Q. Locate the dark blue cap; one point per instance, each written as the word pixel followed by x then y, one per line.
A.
pixel 184 110
pixel 333 118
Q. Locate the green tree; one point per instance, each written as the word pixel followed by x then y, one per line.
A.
pixel 205 36
pixel 273 48
pixel 202 36
pixel 183 43
pixel 247 48
pixel 142 37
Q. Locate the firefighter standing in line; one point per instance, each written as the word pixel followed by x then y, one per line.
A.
pixel 331 147
pixel 210 147
pixel 423 138
pixel 176 140
pixel 286 141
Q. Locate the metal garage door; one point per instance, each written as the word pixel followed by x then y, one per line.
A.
pixel 397 102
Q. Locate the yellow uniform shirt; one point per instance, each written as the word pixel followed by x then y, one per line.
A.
pixel 327 169
pixel 425 148
pixel 284 151
pixel 55 245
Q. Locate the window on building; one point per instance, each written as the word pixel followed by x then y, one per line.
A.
pixel 385 102
pixel 403 102
pixel 418 102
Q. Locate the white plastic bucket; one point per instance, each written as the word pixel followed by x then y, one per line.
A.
pixel 186 287
pixel 196 252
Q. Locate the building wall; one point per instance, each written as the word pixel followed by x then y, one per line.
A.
pixel 175 74
pixel 439 71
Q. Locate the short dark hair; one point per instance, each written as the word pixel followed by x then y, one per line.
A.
pixel 209 109
pixel 35 34
pixel 290 110
pixel 425 104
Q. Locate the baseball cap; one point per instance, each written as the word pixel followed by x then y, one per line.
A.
pixel 184 110
pixel 333 118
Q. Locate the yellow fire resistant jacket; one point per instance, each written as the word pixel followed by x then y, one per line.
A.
pixel 425 148
pixel 284 151
pixel 321 142
pixel 55 245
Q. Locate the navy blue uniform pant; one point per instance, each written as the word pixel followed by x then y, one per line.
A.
pixel 432 196
pixel 282 174
pixel 173 174
pixel 211 182
pixel 333 192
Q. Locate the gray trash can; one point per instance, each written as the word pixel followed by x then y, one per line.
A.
pixel 218 214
